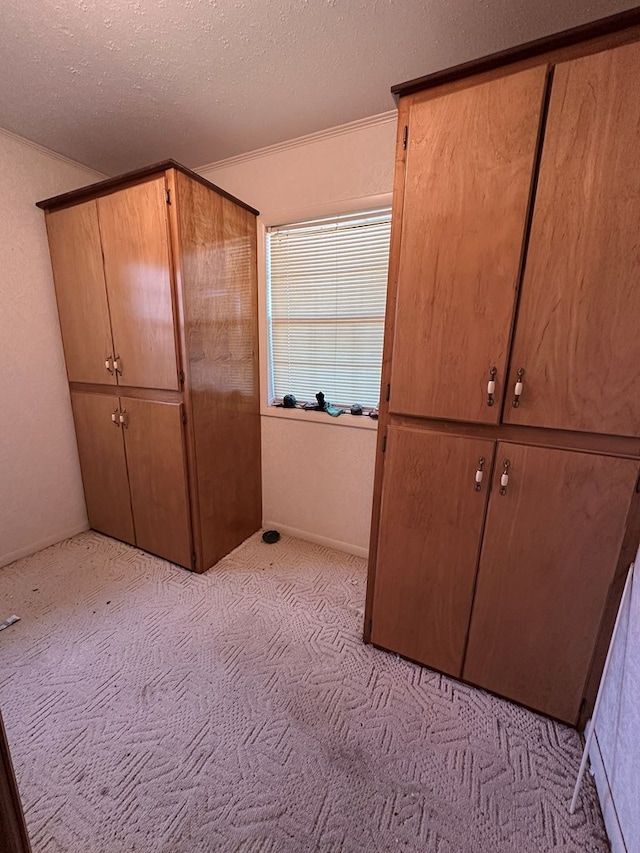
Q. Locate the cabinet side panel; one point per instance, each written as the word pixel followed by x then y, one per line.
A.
pixel 217 282
pixel 389 329
pixel 577 332
pixel 76 258
pixel 470 162
pixel 430 528
pixel 158 478
pixel 549 557
pixel 103 465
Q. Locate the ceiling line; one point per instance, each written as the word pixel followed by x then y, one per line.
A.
pixel 44 150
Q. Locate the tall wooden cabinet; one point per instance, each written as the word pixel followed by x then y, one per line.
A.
pixel 155 277
pixel 507 505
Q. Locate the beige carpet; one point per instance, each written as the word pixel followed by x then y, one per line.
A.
pixel 149 709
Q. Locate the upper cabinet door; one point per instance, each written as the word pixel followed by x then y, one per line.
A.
pixel 135 242
pixel 470 162
pixel 577 336
pixel 76 258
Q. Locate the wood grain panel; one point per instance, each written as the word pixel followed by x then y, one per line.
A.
pixel 103 465
pixel 133 225
pixel 626 556
pixel 577 330
pixel 128 391
pixel 469 171
pixel 158 478
pixel 430 528
pixel 216 281
pixel 13 829
pixel 76 258
pixel 389 326
pixel 606 445
pixel 548 559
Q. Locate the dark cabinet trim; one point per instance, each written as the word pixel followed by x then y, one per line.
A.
pixel 117 183
pixel 528 50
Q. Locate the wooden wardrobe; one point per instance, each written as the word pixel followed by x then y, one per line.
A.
pixel 155 278
pixel 507 505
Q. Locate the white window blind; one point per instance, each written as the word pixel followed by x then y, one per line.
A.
pixel 327 282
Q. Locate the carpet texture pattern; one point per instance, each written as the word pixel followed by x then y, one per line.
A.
pixel 152 710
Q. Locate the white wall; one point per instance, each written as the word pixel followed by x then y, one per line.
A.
pixel 41 498
pixel 317 471
pixel 615 751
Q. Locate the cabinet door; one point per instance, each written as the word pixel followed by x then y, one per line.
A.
pixel 158 478
pixel 133 225
pixel 469 169
pixel 103 465
pixel 577 333
pixel 430 527
pixel 549 554
pixel 76 258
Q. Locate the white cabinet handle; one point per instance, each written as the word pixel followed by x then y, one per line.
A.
pixel 122 417
pixel 479 473
pixel 115 418
pixel 504 478
pixel 491 386
pixel 117 366
pixel 108 363
pixel 517 391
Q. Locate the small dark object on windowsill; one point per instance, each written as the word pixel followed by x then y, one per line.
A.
pixel 319 406
pixel 356 409
pixel 323 405
pixel 288 402
pixel 270 537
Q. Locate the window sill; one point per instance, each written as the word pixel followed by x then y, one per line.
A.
pixel 346 420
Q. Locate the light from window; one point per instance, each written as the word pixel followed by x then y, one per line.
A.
pixel 326 292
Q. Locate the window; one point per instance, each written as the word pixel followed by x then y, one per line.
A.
pixel 326 292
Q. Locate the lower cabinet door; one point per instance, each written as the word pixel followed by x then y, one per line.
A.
pixel 158 478
pixel 431 520
pixel 103 464
pixel 550 548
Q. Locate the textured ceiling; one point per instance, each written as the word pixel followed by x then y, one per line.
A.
pixel 117 84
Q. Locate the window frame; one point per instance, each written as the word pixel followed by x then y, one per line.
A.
pixel 276 218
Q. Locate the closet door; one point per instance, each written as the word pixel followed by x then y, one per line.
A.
pixel 470 161
pixel 76 259
pixel 103 464
pixel 158 478
pixel 135 240
pixel 577 335
pixel 549 554
pixel 13 828
pixel 430 527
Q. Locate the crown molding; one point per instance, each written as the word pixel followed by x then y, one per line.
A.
pixel 49 153
pixel 308 139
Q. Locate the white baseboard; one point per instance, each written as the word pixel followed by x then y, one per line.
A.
pixel 605 796
pixel 28 550
pixel 347 547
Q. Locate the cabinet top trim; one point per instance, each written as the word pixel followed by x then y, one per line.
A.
pixel 528 50
pixel 120 181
